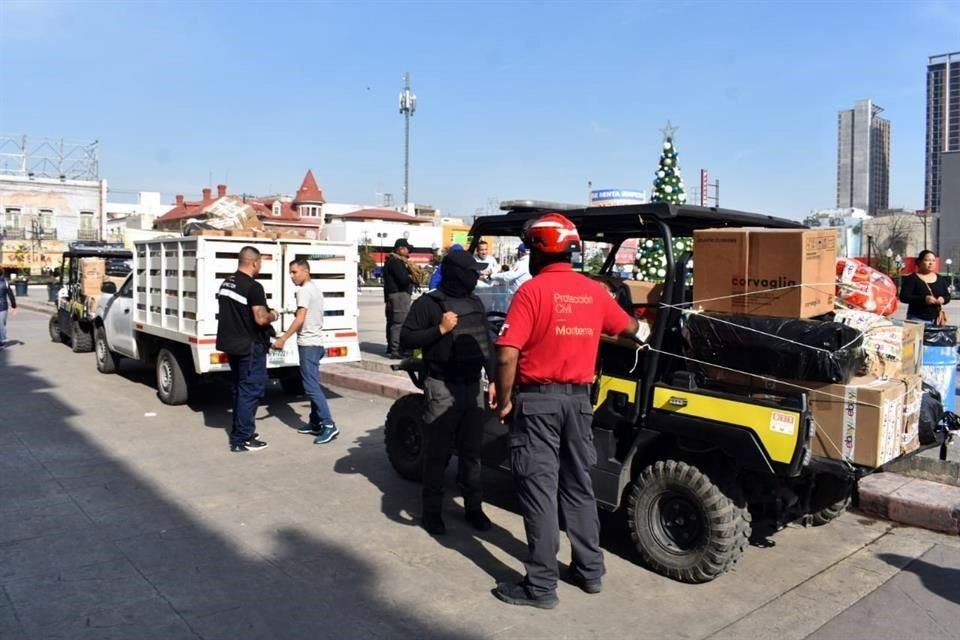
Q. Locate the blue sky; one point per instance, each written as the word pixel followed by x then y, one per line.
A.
pixel 515 100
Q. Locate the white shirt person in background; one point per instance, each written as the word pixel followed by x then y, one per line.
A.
pixel 517 274
pixel 483 255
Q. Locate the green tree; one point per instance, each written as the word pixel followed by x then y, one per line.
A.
pixel 667 182
pixel 367 263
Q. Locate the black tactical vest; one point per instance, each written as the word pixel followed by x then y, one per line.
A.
pixel 469 342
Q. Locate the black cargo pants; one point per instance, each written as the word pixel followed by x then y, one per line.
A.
pixel 453 416
pixel 551 452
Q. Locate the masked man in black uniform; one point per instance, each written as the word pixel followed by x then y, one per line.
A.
pixel 451 327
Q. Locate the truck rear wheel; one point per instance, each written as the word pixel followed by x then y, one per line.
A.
pixel 403 432
pixel 80 339
pixel 54 327
pixel 684 525
pixel 172 384
pixel 106 361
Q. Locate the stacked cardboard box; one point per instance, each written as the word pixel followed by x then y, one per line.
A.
pixel 866 420
pixel 92 272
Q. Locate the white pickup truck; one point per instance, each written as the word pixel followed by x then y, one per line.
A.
pixel 165 313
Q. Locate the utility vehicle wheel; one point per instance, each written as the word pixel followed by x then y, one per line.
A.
pixel 830 498
pixel 403 433
pixel 106 361
pixel 684 525
pixel 80 340
pixel 54 327
pixel 292 385
pixel 171 378
pixel 829 514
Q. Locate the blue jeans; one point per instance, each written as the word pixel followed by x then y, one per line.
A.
pixel 3 326
pixel 249 374
pixel 310 374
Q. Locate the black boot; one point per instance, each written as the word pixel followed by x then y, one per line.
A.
pixel 478 519
pixel 433 523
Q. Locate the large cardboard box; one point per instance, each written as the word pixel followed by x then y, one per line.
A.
pixel 912 352
pixel 642 292
pixel 863 422
pixel 787 273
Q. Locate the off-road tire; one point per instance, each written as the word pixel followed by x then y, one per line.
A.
pixel 172 384
pixel 106 360
pixel 80 341
pixel 54 327
pixel 707 534
pixel 403 434
pixel 829 514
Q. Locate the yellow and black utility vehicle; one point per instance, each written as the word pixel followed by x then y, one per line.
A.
pixel 696 465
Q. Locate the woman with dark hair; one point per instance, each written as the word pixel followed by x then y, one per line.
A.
pixel 925 292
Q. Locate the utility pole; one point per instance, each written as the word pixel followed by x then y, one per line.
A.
pixel 408 104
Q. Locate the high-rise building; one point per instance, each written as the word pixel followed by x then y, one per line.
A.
pixel 863 158
pixel 943 120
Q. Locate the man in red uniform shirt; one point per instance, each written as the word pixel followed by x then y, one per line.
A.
pixel 547 351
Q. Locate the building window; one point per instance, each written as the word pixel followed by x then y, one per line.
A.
pixel 86 220
pixel 46 219
pixel 276 208
pixel 11 218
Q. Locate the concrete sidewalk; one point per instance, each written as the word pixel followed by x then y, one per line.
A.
pixel 916 495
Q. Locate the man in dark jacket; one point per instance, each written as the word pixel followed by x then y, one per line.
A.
pixel 398 283
pixel 451 327
pixel 243 333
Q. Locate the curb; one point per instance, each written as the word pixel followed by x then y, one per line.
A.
pixel 919 503
pixel 39 307
pixel 388 385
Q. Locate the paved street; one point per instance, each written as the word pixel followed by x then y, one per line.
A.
pixel 125 518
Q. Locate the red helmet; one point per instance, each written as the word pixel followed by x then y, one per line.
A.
pixel 552 233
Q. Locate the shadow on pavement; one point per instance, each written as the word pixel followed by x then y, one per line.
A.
pixel 89 549
pixel 942 581
pixel 400 502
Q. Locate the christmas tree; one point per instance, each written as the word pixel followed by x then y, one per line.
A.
pixel 668 188
pixel 668 184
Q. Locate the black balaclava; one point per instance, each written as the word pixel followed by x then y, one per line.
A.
pixel 457 282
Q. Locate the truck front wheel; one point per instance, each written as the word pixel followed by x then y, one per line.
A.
pixel 106 360
pixel 172 384
pixel 684 525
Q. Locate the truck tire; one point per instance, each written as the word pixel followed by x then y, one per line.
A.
pixel 403 433
pixel 54 326
pixel 106 360
pixel 172 384
pixel 80 340
pixel 684 525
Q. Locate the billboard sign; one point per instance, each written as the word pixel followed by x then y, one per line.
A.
pixel 615 197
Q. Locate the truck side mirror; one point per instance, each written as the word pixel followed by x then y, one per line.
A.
pixel 108 287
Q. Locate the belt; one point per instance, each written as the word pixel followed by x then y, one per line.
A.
pixel 557 387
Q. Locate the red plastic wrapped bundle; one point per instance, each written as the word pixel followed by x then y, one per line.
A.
pixel 862 287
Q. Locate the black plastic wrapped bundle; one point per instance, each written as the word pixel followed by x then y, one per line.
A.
pixel 777 347
pixel 945 336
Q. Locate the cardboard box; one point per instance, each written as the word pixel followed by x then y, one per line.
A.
pixel 644 292
pixel 910 439
pixel 912 353
pixel 787 273
pixel 864 422
pixel 92 268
